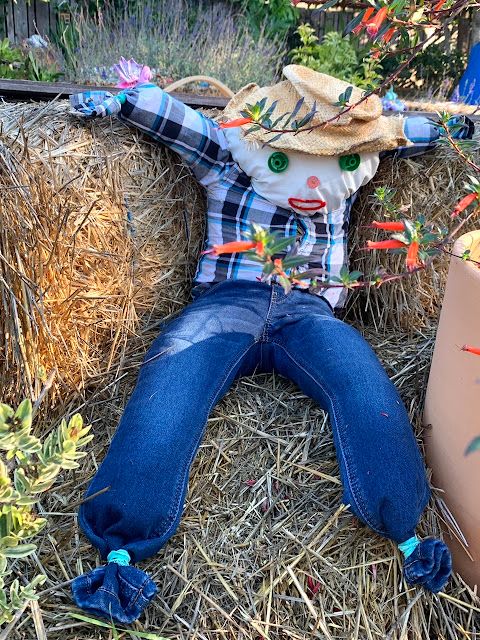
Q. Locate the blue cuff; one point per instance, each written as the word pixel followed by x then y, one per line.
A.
pixel 115 591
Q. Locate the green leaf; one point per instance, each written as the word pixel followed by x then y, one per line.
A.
pixel 5 412
pixel 296 109
pixel 19 552
pixel 473 446
pixel 353 23
pixel 29 444
pixel 8 541
pixel 281 244
pixel 268 268
pixel 294 261
pixel 24 414
pixel 355 275
pixel 275 138
pixel 328 5
pixel 105 625
pixel 286 284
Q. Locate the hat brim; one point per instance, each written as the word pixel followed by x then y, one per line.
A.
pixel 346 134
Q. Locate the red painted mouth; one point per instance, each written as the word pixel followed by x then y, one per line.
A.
pixel 306 205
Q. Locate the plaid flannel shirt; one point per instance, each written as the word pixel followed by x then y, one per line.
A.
pixel 232 203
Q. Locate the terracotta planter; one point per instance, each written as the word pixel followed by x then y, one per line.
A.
pixel 452 406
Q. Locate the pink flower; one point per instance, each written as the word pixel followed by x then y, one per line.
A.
pixel 130 73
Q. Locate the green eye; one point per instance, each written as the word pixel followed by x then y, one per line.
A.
pixel 278 162
pixel 350 162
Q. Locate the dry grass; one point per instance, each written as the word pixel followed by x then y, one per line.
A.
pixel 239 564
pixel 428 185
pixel 70 288
pixel 450 107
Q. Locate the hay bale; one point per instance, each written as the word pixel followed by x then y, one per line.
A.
pixel 433 106
pixel 263 527
pixel 99 232
pixel 428 185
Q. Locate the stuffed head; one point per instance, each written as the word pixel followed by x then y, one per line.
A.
pixel 306 183
pixel 316 169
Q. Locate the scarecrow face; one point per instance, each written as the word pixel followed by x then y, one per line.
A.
pixel 305 183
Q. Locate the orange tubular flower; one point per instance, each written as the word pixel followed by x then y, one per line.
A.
pixel 259 248
pixel 385 244
pixel 412 256
pixel 388 35
pixel 279 267
pixel 232 247
pixel 439 5
pixel 235 123
pixel 388 226
pixel 464 203
pixel 373 27
pixel 475 350
pixel 366 17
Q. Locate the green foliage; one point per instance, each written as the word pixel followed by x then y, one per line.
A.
pixel 16 64
pixel 10 60
pixel 385 197
pixel 336 57
pixel 65 38
pixel 36 71
pixel 435 68
pixel 176 39
pixel 277 17
pixel 29 467
pixel 117 633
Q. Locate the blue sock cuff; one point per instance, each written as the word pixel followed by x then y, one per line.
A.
pixel 120 556
pixel 409 546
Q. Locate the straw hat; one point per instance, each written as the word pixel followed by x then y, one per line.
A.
pixel 363 129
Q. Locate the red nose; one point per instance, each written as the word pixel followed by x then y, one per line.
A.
pixel 313 182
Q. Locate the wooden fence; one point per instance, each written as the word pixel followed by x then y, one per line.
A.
pixel 21 19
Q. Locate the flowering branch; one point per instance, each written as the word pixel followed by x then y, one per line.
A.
pixel 385 24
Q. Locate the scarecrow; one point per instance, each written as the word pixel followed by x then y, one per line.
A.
pixel 298 186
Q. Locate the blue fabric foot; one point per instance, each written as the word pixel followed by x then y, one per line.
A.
pixel 429 565
pixel 114 591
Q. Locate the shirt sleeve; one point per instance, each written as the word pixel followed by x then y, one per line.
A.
pixel 424 133
pixel 197 139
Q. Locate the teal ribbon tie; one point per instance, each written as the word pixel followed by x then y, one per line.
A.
pixel 409 546
pixel 120 556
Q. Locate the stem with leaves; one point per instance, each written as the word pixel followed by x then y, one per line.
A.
pixel 28 468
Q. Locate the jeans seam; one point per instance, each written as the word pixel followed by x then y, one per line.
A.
pixel 172 515
pixel 89 585
pixel 353 484
pixel 139 593
pixel 111 593
pixel 267 325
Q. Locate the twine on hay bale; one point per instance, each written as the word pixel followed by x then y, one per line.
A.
pixel 264 549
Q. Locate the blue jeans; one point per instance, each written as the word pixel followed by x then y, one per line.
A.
pixel 233 329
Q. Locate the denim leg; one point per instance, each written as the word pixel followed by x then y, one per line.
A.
pixel 380 464
pixel 186 371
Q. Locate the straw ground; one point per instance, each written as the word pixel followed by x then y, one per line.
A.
pixel 265 548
